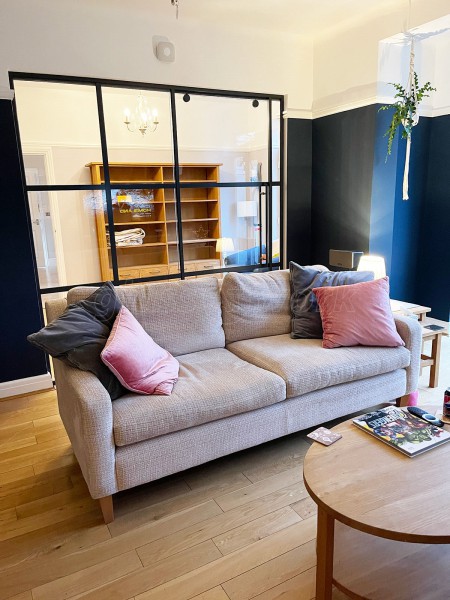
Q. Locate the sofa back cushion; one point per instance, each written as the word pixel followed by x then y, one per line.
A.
pixel 182 317
pixel 255 305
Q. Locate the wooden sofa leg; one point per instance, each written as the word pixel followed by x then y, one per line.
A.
pixel 403 401
pixel 106 505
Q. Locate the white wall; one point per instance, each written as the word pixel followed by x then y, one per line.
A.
pixel 111 40
pixel 346 60
pixel 61 114
pixel 439 57
pixel 431 63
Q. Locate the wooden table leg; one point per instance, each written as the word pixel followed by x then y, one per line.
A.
pixel 325 549
pixel 436 356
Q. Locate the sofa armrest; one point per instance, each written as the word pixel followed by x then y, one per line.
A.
pixel 86 411
pixel 411 333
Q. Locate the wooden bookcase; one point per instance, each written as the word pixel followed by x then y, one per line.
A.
pixel 154 211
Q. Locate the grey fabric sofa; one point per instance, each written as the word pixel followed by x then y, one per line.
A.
pixel 243 380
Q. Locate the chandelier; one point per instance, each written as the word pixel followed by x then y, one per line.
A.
pixel 142 119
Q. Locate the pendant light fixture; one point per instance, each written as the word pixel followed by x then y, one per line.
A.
pixel 142 118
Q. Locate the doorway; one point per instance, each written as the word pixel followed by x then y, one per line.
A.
pixel 41 222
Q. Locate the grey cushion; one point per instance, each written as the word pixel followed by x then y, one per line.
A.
pixel 306 321
pixel 255 305
pixel 103 304
pixel 212 384
pixel 79 335
pixel 182 317
pixel 306 366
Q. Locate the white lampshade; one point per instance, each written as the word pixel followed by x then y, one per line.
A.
pixel 247 208
pixel 376 264
pixel 224 245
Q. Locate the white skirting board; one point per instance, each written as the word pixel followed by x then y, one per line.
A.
pixel 26 386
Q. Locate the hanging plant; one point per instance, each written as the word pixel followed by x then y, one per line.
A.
pixel 405 113
pixel 405 109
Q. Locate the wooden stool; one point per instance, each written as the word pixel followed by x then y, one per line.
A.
pixel 433 360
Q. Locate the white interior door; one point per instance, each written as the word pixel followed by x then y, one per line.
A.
pixel 37 220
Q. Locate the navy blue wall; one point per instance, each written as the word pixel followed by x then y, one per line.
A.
pixel 299 163
pixel 384 184
pixel 343 153
pixel 433 267
pixel 357 200
pixel 395 229
pixel 19 300
pixel 406 246
pixel 413 234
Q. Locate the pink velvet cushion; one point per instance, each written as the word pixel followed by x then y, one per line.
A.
pixel 136 360
pixel 357 315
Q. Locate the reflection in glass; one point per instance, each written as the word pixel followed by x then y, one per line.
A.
pixel 140 231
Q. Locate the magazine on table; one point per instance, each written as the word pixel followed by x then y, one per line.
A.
pixel 402 430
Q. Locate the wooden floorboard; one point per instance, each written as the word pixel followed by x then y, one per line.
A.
pixel 238 528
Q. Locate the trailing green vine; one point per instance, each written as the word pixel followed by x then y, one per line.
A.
pixel 405 109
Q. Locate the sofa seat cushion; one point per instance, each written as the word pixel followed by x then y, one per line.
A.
pixel 212 384
pixel 305 366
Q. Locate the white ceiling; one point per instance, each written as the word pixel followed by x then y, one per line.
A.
pixel 305 17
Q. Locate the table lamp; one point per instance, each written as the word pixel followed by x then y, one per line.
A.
pixel 376 264
pixel 224 246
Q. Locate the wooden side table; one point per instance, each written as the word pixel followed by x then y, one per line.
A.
pixel 400 307
pixel 435 337
pixel 432 361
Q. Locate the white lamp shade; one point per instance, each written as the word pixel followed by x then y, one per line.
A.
pixel 224 245
pixel 247 208
pixel 376 264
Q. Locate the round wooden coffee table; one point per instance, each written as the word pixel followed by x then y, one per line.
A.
pixel 383 522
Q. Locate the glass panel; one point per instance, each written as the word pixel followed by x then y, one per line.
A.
pixel 140 150
pixel 276 139
pixel 65 237
pixel 228 131
pixel 221 227
pixel 138 130
pixel 59 131
pixel 276 225
pixel 140 229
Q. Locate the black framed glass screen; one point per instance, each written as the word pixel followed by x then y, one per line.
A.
pixel 136 182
